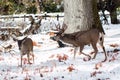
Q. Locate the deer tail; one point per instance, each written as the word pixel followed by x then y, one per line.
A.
pixel 101 38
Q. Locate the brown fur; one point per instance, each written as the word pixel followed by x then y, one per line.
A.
pixel 26 47
pixel 82 38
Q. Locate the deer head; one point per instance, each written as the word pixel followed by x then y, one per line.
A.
pixel 60 31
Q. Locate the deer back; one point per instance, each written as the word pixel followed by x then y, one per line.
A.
pixel 25 45
pixel 88 36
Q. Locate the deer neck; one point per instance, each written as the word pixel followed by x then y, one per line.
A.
pixel 68 38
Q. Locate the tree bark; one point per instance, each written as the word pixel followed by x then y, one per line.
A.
pixel 38 6
pixel 81 15
pixel 113 16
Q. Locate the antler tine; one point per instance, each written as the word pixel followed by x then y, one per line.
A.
pixel 64 26
pixel 59 26
pixel 56 26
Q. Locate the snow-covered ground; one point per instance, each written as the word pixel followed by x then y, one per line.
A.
pixel 53 63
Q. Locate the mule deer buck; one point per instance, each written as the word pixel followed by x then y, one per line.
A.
pixel 26 47
pixel 81 38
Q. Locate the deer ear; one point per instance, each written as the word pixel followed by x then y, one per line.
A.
pixel 14 37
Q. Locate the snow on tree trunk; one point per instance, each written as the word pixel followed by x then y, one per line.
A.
pixel 79 15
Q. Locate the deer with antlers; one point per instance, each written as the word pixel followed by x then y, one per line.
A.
pixel 81 38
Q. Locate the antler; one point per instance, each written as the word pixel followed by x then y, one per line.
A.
pixel 59 28
pixel 64 27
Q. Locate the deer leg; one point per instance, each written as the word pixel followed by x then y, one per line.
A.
pixel 95 50
pixel 28 56
pixel 104 54
pixel 75 50
pixel 32 56
pixel 21 60
pixel 101 44
pixel 81 48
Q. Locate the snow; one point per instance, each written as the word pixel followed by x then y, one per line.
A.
pixel 49 65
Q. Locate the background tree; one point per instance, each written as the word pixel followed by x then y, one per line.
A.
pixel 81 15
pixel 38 6
pixel 52 6
pixel 111 6
pixel 29 6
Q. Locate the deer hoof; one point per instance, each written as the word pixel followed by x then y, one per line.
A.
pixel 94 57
pixel 87 58
pixel 104 60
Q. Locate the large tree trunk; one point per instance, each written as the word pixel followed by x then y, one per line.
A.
pixel 81 15
pixel 113 16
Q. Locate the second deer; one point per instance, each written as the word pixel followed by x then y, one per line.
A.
pixel 26 47
pixel 82 38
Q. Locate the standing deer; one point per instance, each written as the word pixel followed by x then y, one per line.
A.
pixel 35 25
pixel 81 38
pixel 26 47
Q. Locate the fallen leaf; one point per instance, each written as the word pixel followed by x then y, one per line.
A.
pixel 113 58
pixel 71 68
pixel 65 57
pixel 98 65
pixel 52 56
pixel 59 57
pixel 93 74
pixel 114 45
